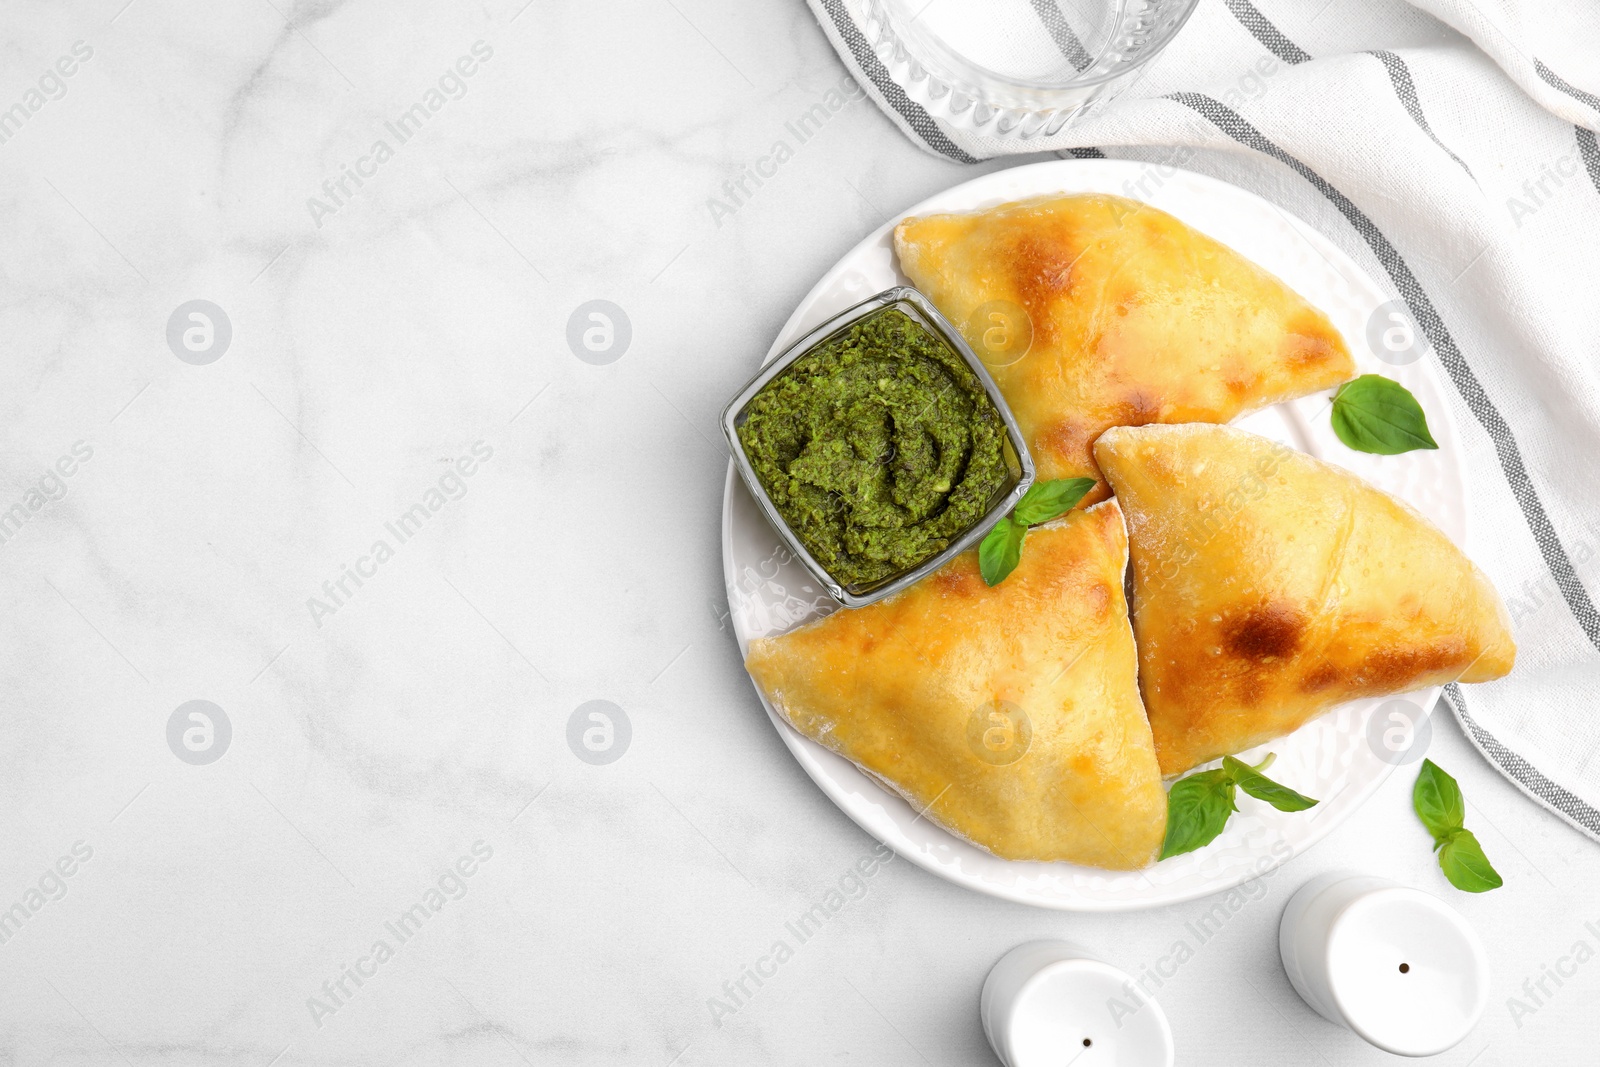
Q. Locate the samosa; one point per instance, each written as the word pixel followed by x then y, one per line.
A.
pixel 1094 311
pixel 1008 715
pixel 1269 586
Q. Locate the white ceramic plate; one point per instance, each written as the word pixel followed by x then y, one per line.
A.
pixel 1329 758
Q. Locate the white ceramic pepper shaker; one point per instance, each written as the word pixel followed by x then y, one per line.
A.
pixel 1393 964
pixel 1052 1002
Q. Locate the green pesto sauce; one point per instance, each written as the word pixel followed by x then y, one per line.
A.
pixel 879 447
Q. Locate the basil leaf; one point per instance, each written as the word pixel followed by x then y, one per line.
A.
pixel 1001 550
pixel 1377 415
pixel 1438 801
pixel 1261 787
pixel 1463 862
pixel 1442 809
pixel 1197 809
pixel 1198 806
pixel 1045 500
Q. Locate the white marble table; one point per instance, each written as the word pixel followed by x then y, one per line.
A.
pixel 399 374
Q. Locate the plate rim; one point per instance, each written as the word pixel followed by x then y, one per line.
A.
pixel 800 746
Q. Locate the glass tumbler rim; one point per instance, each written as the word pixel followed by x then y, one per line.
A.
pixel 1076 83
pixel 945 77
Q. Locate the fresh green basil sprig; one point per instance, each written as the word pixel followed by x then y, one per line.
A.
pixel 1375 414
pixel 1198 807
pixel 1443 810
pixel 1001 549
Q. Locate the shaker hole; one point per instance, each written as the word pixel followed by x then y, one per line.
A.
pixel 1405 968
pixel 1087 1042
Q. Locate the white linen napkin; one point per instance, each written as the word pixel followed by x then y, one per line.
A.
pixel 1449 148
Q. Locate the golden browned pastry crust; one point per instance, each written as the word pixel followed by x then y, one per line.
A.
pixel 1136 318
pixel 934 690
pixel 1269 586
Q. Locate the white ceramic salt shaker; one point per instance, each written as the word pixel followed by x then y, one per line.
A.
pixel 1393 964
pixel 1047 1003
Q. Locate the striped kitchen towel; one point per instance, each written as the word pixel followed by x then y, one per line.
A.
pixel 1449 147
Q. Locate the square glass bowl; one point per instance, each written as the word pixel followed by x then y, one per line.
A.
pixel 917 308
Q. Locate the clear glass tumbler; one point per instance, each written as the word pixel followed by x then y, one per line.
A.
pixel 1018 69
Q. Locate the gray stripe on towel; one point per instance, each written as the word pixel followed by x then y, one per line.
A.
pixel 1268 34
pixel 1055 21
pixel 909 110
pixel 1556 81
pixel 1523 773
pixel 1406 90
pixel 1591 154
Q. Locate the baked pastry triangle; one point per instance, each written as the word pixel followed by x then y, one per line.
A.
pixel 1094 311
pixel 1269 586
pixel 1010 715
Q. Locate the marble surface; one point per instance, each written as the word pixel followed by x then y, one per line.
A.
pixel 397 372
